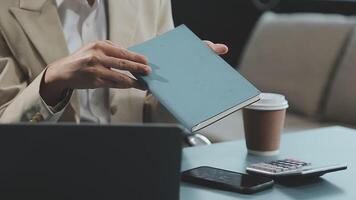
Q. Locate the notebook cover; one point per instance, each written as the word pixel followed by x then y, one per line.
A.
pixel 191 81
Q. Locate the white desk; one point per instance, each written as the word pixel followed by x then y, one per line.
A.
pixel 320 146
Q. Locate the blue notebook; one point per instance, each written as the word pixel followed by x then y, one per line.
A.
pixel 197 86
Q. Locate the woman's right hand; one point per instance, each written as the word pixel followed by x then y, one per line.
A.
pixel 92 66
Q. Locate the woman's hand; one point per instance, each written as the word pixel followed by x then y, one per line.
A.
pixel 220 49
pixel 92 66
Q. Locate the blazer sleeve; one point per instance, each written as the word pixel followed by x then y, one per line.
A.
pixel 20 101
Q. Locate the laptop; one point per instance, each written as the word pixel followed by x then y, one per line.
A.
pixel 90 162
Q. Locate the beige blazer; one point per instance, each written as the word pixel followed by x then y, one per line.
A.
pixel 31 38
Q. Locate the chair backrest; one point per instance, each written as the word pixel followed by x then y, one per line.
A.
pixel 295 55
pixel 341 104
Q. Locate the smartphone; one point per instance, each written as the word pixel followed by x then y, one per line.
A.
pixel 226 180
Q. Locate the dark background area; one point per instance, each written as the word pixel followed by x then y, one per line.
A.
pixel 231 21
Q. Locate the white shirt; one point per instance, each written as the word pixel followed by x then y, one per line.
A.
pixel 81 25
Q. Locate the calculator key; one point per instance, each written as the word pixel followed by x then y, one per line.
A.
pixel 293 167
pixel 277 170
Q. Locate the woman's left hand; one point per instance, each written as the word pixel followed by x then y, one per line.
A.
pixel 220 49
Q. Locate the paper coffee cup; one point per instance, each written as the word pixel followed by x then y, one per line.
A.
pixel 270 101
pixel 263 124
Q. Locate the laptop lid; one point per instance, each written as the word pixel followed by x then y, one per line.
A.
pixel 90 162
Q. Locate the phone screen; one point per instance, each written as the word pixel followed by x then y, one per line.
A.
pixel 224 179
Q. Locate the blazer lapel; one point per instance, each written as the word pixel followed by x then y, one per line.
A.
pixel 40 21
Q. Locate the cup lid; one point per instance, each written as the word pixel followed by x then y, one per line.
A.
pixel 270 101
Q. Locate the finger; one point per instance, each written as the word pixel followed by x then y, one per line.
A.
pixel 118 52
pixel 138 85
pixel 103 83
pixel 209 43
pixel 218 48
pixel 110 42
pixel 221 49
pixel 122 64
pixel 119 80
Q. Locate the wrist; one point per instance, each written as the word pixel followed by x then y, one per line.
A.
pixel 53 79
pixel 52 89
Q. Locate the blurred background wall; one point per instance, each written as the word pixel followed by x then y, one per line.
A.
pixel 231 21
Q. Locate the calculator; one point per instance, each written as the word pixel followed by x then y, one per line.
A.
pixel 291 168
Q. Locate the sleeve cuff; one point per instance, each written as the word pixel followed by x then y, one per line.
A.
pixel 57 110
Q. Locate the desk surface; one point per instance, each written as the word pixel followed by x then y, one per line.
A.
pixel 333 145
